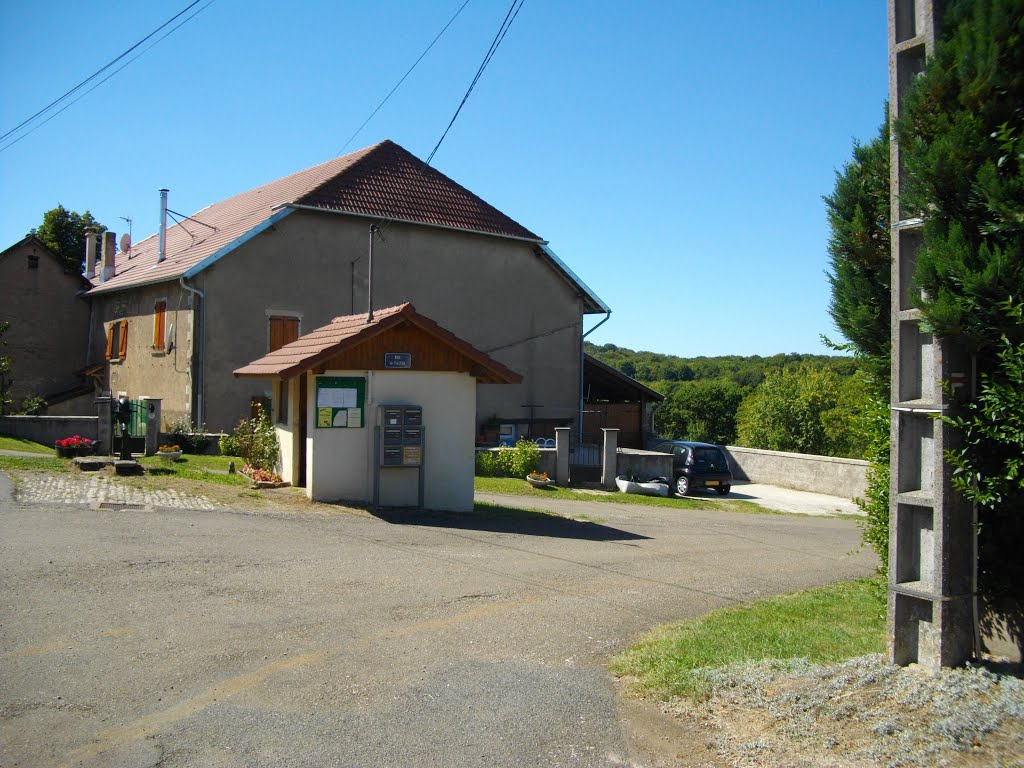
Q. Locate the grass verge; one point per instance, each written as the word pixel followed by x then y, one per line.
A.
pixel 207 469
pixel 822 625
pixel 517 487
pixel 21 444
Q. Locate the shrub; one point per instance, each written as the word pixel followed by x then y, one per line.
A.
pixel 33 406
pixel 191 437
pixel 519 461
pixel 257 442
pixel 486 464
pixel 229 446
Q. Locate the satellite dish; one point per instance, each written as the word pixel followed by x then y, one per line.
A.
pixel 126 243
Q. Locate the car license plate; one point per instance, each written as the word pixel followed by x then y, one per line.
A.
pixel 711 482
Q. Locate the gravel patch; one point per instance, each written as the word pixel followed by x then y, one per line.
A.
pixel 863 712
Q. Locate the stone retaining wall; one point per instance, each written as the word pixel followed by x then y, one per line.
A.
pixel 802 472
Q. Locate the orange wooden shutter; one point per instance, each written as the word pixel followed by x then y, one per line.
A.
pixel 283 330
pixel 159 312
pixel 122 349
pixel 110 340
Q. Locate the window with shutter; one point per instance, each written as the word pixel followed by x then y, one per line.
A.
pixel 117 340
pixel 159 325
pixel 122 345
pixel 283 330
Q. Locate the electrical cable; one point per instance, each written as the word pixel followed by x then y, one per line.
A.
pixel 98 72
pixel 409 72
pixel 510 17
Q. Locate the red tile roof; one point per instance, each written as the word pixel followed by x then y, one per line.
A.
pixel 349 331
pixel 382 181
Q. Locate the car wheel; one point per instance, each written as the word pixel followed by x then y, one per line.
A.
pixel 682 485
pixel 723 489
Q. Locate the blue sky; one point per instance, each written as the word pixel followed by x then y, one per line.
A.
pixel 673 153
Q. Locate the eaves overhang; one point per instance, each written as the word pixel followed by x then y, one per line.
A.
pixel 591 301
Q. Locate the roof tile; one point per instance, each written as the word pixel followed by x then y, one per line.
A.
pixel 381 181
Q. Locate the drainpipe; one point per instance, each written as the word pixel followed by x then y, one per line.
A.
pixel 198 307
pixel 608 314
pixel 369 278
pixel 162 253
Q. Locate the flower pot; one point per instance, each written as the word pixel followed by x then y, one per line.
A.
pixel 169 456
pixel 61 451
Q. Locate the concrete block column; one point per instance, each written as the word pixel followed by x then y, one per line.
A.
pixel 153 421
pixel 609 457
pixel 562 437
pixel 931 535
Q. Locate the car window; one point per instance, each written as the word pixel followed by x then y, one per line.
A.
pixel 709 460
pixel 679 450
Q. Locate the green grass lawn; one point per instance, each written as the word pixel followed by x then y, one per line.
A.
pixel 21 444
pixel 209 469
pixel 517 487
pixel 823 625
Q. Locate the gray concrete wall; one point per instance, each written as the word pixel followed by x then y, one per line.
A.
pixel 818 474
pixel 49 323
pixel 47 429
pixel 643 464
pixel 495 293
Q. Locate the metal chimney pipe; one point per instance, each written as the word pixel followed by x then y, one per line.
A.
pixel 90 252
pixel 162 254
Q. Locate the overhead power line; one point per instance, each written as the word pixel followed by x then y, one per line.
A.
pixel 409 72
pixel 513 11
pixel 510 17
pixel 68 94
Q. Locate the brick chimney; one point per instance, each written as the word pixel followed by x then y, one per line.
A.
pixel 109 264
pixel 90 252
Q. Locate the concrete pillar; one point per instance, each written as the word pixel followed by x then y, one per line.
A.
pixel 609 458
pixel 562 437
pixel 153 421
pixel 104 428
pixel 109 260
pixel 931 533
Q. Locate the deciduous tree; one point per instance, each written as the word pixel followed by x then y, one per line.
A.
pixel 63 232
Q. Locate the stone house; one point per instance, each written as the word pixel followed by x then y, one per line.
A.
pixel 49 327
pixel 177 313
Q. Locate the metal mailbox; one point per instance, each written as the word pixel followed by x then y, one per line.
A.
pixel 401 436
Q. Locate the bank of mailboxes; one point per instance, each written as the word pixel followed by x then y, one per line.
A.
pixel 401 436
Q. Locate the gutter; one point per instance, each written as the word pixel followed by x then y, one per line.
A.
pixel 198 308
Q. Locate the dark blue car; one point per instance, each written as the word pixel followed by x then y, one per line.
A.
pixel 696 466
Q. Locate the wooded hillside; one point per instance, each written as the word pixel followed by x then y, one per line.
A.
pixel 786 402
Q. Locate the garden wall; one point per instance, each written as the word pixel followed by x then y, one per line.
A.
pixel 46 429
pixel 802 472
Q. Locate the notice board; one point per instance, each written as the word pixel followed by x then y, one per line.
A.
pixel 340 402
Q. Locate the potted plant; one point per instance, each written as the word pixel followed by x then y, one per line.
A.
pixel 76 445
pixel 169 453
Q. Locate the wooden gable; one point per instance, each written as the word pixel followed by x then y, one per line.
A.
pixel 429 353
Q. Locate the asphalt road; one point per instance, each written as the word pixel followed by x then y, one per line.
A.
pixel 230 638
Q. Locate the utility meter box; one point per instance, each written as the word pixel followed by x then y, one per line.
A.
pixel 401 443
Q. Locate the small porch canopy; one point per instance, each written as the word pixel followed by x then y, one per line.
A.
pixel 357 342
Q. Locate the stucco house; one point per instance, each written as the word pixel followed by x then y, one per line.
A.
pixel 47 340
pixel 178 312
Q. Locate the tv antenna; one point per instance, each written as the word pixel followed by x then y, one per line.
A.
pixel 125 243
